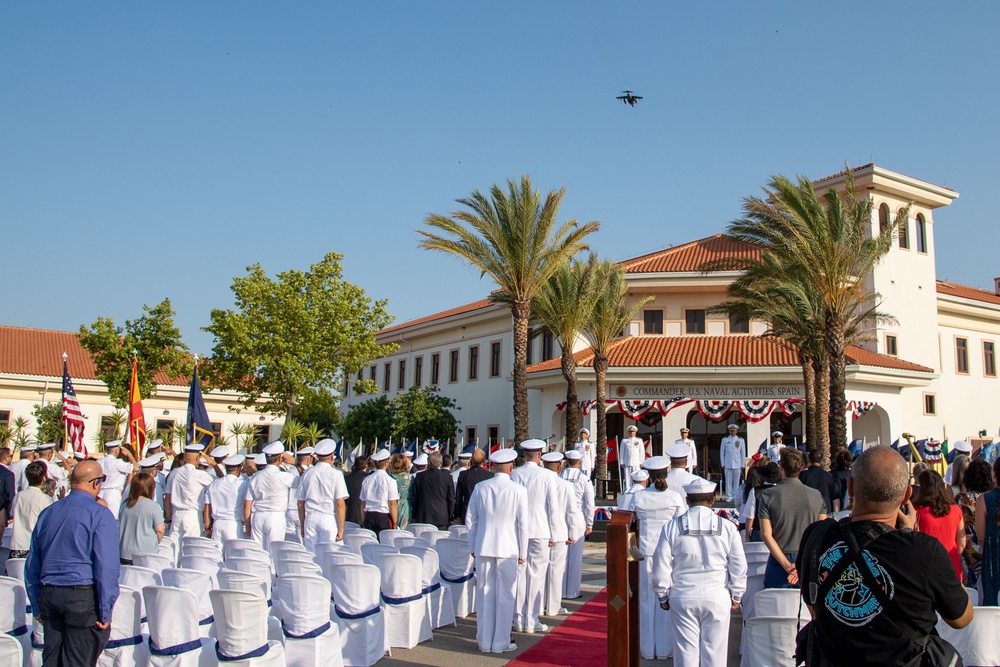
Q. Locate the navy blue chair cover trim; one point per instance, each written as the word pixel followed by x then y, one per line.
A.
pixel 353 617
pixel 388 600
pixel 460 580
pixel 431 588
pixel 270 603
pixel 186 647
pixel 207 621
pixel 256 653
pixel 17 632
pixel 309 635
pixel 143 619
pixel 126 641
pixel 34 643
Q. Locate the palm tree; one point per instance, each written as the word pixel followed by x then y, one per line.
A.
pixel 291 432
pixel 5 435
pixel 244 430
pixel 610 317
pixel 564 305
pixel 313 434
pixel 117 420
pixel 20 436
pixel 512 237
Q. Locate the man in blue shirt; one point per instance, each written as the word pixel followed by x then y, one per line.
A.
pixel 72 572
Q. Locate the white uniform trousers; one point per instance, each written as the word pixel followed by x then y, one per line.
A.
pixel 185 523
pixel 574 569
pixel 656 639
pixel 496 587
pixel 531 585
pixel 267 527
pixel 225 529
pixel 701 629
pixel 554 578
pixel 113 497
pixel 627 472
pixel 320 527
pixel 293 529
pixel 732 481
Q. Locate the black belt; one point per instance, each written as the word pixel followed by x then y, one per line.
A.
pixel 85 587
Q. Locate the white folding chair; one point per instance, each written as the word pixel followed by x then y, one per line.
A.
pixel 388 537
pixel 327 547
pixel 198 584
pixel 458 573
pixel 126 645
pixel 241 630
pixel 756 568
pixel 310 638
pixel 286 567
pixel 358 614
pixel 13 616
pixel 355 540
pixel 240 548
pixel 432 538
pixel 156 562
pixel 202 564
pixel 771 641
pixel 754 547
pixel 137 578
pixel 419 528
pixel 974 595
pixel 370 553
pixel 232 580
pixel 442 608
pixel 979 642
pixel 407 617
pixel 279 547
pixel 780 602
pixel 401 542
pixel 199 542
pixel 200 549
pixel 11 653
pixel 297 556
pixel 331 560
pixel 15 568
pixel 351 527
pixel 458 530
pixel 262 558
pixel 174 636
pixel 168 549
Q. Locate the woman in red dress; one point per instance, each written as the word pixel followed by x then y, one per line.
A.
pixel 940 517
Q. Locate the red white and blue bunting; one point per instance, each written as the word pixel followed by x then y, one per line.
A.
pixel 860 407
pixel 634 409
pixel 716 411
pixel 755 411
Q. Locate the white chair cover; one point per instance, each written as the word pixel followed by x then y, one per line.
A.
pixel 330 561
pixel 432 538
pixel 127 646
pixel 370 553
pixel 10 652
pixel 780 602
pixel 441 605
pixel 310 638
pixel 261 558
pixel 298 567
pixel 973 595
pixel 979 642
pixel 156 562
pixel 198 584
pixel 174 637
pixel 458 573
pixel 458 530
pixel 355 540
pixel 168 549
pixel 401 542
pixel 202 564
pixel 330 547
pixel 293 556
pixel 407 610
pixel 232 580
pixel 757 557
pixel 194 541
pixel 241 630
pixel 239 548
pixel 771 641
pixel 389 536
pixel 754 547
pixel 756 567
pixel 13 612
pixel 755 583
pixel 419 528
pixel 279 547
pixel 211 553
pixel 15 568
pixel 136 578
pixel 351 527
pixel 358 614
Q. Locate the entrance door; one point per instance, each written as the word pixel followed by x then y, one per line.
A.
pixel 708 436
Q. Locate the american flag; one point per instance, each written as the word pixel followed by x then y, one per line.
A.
pixel 71 414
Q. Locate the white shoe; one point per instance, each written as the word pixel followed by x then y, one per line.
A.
pixel 510 647
pixel 562 611
pixel 541 627
pixel 517 627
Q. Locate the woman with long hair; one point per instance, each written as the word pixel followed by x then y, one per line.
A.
pixel 399 470
pixel 140 521
pixel 956 472
pixel 940 517
pixel 977 480
pixel 988 529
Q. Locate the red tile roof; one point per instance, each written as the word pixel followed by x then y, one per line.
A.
pixel 460 310
pixel 870 165
pixel 714 352
pixel 690 256
pixel 966 292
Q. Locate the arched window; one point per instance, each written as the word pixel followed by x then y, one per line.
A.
pixel 904 230
pixel 921 233
pixel 883 218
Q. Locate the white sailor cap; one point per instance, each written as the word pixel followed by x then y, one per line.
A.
pixel 47 445
pixel 151 461
pixel 656 463
pixel 29 448
pixel 503 456
pixel 574 454
pixel 640 476
pixel 552 457
pixel 79 456
pixel 111 444
pixel 679 450
pixel 465 455
pixel 533 445
pixel 275 448
pixel 733 427
pixel 202 463
pixel 777 434
pixel 962 446
pixel 233 461
pixel 155 444
pixel 306 451
pixel 380 455
pixel 324 447
pixel 260 460
pixel 633 427
pixel 584 430
pixel 220 452
pixel 194 447
pixel 420 460
pixel 700 485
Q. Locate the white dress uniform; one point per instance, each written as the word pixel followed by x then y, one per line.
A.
pixel 583 518
pixel 732 454
pixel 116 471
pixel 700 567
pixel 631 454
pixel 496 520
pixel 774 451
pixel 268 493
pixel 18 466
pixel 563 521
pixel 693 456
pixel 293 529
pixel 626 499
pixel 186 487
pixel 589 451
pixel 377 491
pixel 320 486
pixel 654 509
pixel 676 479
pixel 540 483
pixel 56 473
pixel 226 496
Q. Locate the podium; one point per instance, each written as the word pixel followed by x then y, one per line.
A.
pixel 623 590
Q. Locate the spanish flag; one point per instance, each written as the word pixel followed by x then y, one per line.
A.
pixel 136 420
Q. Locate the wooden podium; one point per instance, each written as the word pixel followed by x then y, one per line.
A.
pixel 623 591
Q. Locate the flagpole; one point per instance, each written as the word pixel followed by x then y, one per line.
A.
pixel 62 398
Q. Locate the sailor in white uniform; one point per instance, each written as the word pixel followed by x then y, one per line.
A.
pixel 302 461
pixel 692 457
pixel 699 573
pixel 224 500
pixel 640 480
pixel 29 453
pixel 733 455
pixel 589 452
pixel 322 499
pixel 219 454
pixel 961 447
pixel 631 453
pixel 654 506
pixel 267 498
pixel 117 474
pixel 496 520
pixel 541 485
pixel 151 465
pixel 379 495
pixel 679 475
pixel 583 522
pixel 57 472
pixel 184 495
pixel 464 459
pixel 561 524
pixel 774 449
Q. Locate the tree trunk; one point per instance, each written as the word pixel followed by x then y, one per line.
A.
pixel 601 371
pixel 572 400
pixel 822 368
pixel 521 312
pixel 810 433
pixel 838 384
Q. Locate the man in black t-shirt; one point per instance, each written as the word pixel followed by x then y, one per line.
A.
pixel 913 569
pixel 816 478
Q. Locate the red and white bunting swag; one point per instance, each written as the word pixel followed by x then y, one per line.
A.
pixel 714 410
pixel 755 411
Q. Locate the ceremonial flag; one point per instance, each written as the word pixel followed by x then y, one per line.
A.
pixel 649 446
pixel 857 447
pixel 136 420
pixel 948 453
pixel 354 455
pixel 469 448
pixel 72 416
pixel 199 428
pixel 612 451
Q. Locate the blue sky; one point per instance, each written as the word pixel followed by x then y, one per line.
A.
pixel 152 150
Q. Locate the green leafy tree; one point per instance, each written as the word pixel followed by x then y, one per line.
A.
pixel 367 421
pixel 20 435
pixel 319 406
pixel 313 433
pixel 48 419
pixel 243 434
pixel 6 434
pixel 511 236
pixel 155 340
pixel 423 413
pixel 291 432
pixel 286 335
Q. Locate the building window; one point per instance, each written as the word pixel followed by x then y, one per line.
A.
pixel 989 359
pixel 347 387
pixel 401 382
pixel 891 347
pixel 371 373
pixel 530 358
pixel 492 435
pixel 883 219
pixel 435 368
pixel 4 417
pixel 387 376
pixel 694 321
pixel 652 321
pixel 217 432
pixel 418 371
pixel 547 345
pixel 108 428
pixel 473 362
pixel 165 429
pixel 930 404
pixel 263 435
pixel 453 366
pixel 738 325
pixel 921 233
pixel 962 355
pixel 904 230
pixel 495 359
pixel 470 434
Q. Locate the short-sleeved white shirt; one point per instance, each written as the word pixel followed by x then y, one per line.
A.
pixel 268 489
pixel 226 496
pixel 186 488
pixel 320 486
pixel 116 471
pixel 377 491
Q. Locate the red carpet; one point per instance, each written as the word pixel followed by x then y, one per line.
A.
pixel 579 641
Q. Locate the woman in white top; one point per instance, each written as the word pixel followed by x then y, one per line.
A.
pixel 28 504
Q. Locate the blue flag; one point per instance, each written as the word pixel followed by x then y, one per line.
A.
pixel 857 447
pixel 469 448
pixel 199 428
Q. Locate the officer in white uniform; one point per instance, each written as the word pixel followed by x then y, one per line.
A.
pixel 640 480
pixel 961 447
pixel 219 454
pixel 464 459
pixel 679 475
pixel 700 575
pixel 224 500
pixel 631 453
pixel 29 453
pixel 57 472
pixel 302 461
pixel 561 524
pixel 654 506
pixel 692 457
pixel 267 498
pixel 151 465
pixel 589 452
pixel 379 495
pixel 496 520
pixel 184 496
pixel 322 499
pixel 733 455
pixel 117 474
pixel 774 449
pixel 583 522
pixel 304 457
pixel 156 448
